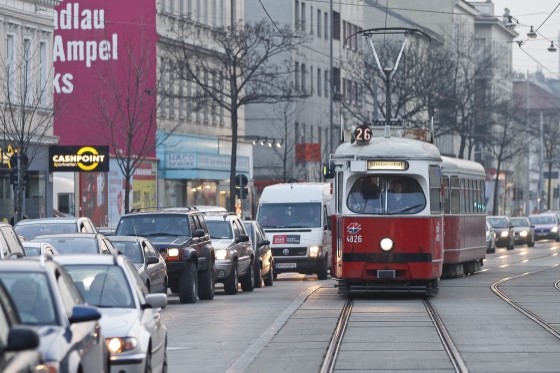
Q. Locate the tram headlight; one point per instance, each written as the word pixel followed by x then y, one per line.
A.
pixel 504 234
pixel 386 244
pixel 523 233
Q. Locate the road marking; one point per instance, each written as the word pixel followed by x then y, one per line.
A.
pixel 178 348
pixel 243 362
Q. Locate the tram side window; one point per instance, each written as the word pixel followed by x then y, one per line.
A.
pixel 471 203
pixel 339 181
pixel 455 195
pixel 446 195
pixel 435 189
pixel 483 195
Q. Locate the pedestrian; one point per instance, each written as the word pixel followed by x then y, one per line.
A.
pixel 13 218
pixel 535 211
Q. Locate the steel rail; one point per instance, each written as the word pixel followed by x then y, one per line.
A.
pixel 522 309
pixel 336 339
pixel 448 344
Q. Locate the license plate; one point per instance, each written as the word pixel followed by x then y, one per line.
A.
pixel 285 265
pixel 542 234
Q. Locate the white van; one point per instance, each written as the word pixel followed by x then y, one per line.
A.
pixel 296 219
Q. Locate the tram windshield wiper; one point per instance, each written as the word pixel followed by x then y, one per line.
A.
pixel 405 209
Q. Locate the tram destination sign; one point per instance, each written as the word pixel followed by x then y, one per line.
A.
pixel 387 165
pixel 78 159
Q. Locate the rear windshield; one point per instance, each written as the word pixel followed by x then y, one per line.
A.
pixel 386 194
pixel 519 222
pixel 498 222
pixel 73 245
pixel 542 219
pixel 30 231
pixel 151 225
pixel 31 296
pixel 219 229
pixel 32 250
pixel 102 285
pixel 131 250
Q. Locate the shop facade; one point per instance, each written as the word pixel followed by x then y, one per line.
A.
pixel 195 170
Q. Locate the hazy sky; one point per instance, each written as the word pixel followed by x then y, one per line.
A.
pixel 534 13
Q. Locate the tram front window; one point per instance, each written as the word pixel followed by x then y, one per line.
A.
pixel 386 195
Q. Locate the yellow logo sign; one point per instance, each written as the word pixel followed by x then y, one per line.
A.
pixel 87 154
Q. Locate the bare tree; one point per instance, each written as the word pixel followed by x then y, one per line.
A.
pixel 126 104
pixel 27 110
pixel 233 67
pixel 505 143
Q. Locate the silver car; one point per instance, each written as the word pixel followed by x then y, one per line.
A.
pixel 134 333
pixel 33 248
pixel 151 266
pixel 235 257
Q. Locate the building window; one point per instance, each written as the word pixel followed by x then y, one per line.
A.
pixel 171 6
pixel 205 102
pixel 189 8
pixel 318 22
pixel 302 125
pixel 311 133
pixel 319 77
pixel 198 10
pixel 296 133
pixel 303 15
pixel 163 96
pixel 43 73
pixel 171 92
pixel 181 96
pixel 311 81
pixel 214 106
pixel 297 13
pixel 11 67
pixel 326 83
pixel 189 100
pixel 222 122
pixel 214 14
pixel 303 80
pixel 326 26
pixel 336 26
pixel 28 71
pixel 311 20
pixel 296 83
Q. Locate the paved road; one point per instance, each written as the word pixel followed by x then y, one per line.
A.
pixel 287 328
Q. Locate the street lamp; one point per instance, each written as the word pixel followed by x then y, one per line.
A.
pixel 552 48
pixel 511 25
pixel 532 34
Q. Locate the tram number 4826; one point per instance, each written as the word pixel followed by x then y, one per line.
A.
pixel 354 238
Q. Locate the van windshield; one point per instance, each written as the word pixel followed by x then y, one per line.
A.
pixel 290 215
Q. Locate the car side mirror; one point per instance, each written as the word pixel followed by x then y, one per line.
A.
pixel 198 233
pixel 155 301
pixel 263 243
pixel 242 238
pixel 153 260
pixel 22 337
pixel 83 314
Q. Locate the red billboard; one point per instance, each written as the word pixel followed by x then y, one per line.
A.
pixel 97 44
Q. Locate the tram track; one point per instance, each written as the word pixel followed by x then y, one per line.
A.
pixel 495 288
pixel 340 329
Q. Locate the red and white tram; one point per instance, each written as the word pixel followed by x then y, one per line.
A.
pixel 389 203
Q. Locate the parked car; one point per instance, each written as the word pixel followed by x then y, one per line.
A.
pixel 546 226
pixel 18 343
pixel 146 258
pixel 33 248
pixel 134 332
pixel 30 228
pixel 10 244
pixel 264 262
pixel 490 239
pixel 524 231
pixel 45 296
pixel 235 258
pixel 181 235
pixel 503 228
pixel 78 243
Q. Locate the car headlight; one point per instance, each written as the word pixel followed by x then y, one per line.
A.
pixel 523 233
pixel 172 252
pixel 386 244
pixel 504 234
pixel 315 251
pixel 221 254
pixel 555 229
pixel 118 345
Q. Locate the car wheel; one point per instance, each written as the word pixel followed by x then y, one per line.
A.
pixel 231 283
pixel 532 243
pixel 164 290
pixel 269 281
pixel 322 274
pixel 148 367
pixel 165 365
pixel 206 283
pixel 188 284
pixel 258 275
pixel 248 281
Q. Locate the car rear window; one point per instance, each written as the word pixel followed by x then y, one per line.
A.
pixel 150 225
pixel 30 231
pixel 73 245
pixel 219 229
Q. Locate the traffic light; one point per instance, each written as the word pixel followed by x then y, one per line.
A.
pixel 543 193
pixel 530 195
pixel 244 193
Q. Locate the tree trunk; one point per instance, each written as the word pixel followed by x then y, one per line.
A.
pixel 127 177
pixel 549 185
pixel 462 148
pixel 495 204
pixel 232 170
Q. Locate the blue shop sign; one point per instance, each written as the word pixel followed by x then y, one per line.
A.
pixel 204 161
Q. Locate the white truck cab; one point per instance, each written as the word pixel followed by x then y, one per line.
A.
pixel 296 219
